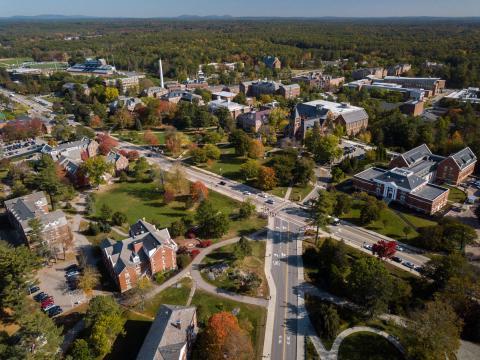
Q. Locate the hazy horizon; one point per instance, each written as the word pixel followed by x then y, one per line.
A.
pixel 245 8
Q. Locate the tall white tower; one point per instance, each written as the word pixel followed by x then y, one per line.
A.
pixel 160 69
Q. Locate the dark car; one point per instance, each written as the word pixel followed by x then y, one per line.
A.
pixel 33 289
pixel 397 259
pixel 73 267
pixel 222 183
pixel 40 296
pixel 56 310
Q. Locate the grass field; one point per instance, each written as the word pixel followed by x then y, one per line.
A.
pixel 142 200
pixel 366 345
pixel 171 296
pixel 97 239
pixel 456 195
pixel 136 137
pixel 299 193
pixel 254 263
pixel 250 317
pixel 13 61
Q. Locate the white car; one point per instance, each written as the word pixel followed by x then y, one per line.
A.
pixel 247 193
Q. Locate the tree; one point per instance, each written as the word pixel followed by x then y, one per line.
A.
pixel 440 269
pixel 242 248
pixel 150 138
pixel 326 149
pixel 177 228
pixel 106 143
pixel 35 235
pixel 224 339
pixel 406 231
pixel 111 94
pixel 384 249
pixel 96 122
pixel 328 319
pixel 370 285
pixel 177 180
pixel 198 191
pixel 369 213
pixel 266 179
pixel 105 322
pixel 144 285
pixel 240 141
pixel 211 222
pixel 212 152
pixel 449 235
pixel 256 150
pixel 89 279
pixel 343 204
pixel 141 169
pixel 250 169
pixel 303 171
pixel 119 218
pixel 319 211
pixel 433 333
pixel 81 351
pixel 247 209
pixel 105 212
pixel 198 155
pixel 123 119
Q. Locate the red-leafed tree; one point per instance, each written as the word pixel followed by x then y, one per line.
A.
pixel 225 339
pixel 150 138
pixel 96 122
pixel 384 249
pixel 106 143
pixel 199 191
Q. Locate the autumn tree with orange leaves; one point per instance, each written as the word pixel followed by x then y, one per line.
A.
pixel 225 339
pixel 198 191
pixel 106 143
pixel 150 138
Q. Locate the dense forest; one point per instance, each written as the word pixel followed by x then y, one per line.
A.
pixel 137 44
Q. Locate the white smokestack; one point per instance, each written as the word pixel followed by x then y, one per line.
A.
pixel 161 73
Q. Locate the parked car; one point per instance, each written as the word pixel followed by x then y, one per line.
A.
pixel 73 267
pixel 367 246
pixel 247 193
pixel 72 274
pixel 40 296
pixel 222 183
pixel 270 201
pixel 335 221
pixel 33 289
pixel 397 259
pixel 400 248
pixel 54 311
pixel 409 265
pixel 47 308
pixel 47 304
pixel 419 269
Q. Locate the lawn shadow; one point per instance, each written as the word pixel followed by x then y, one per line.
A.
pixel 127 346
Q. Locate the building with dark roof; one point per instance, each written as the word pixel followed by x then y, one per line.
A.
pixel 412 177
pixel 55 228
pixel 354 119
pixel 146 252
pixel 171 334
pixel 403 186
pixel 272 62
pixel 253 121
pixel 97 67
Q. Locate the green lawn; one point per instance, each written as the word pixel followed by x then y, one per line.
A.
pixel 365 345
pixel 299 193
pixel 254 263
pixel 142 200
pixel 456 195
pixel 171 296
pixel 136 137
pixel 251 318
pixel 14 61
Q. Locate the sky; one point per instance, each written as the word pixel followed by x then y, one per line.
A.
pixel 281 8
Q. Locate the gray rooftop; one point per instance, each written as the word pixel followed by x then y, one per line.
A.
pixel 416 154
pixel 370 173
pixel 464 157
pixel 402 178
pixel 429 191
pixel 168 333
pixel 122 253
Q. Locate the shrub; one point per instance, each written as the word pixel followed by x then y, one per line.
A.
pixel 183 260
pixel 194 253
pixel 119 218
pixel 93 229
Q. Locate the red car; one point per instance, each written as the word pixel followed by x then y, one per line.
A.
pixel 47 302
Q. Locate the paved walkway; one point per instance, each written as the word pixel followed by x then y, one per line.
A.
pixel 287 193
pixel 333 354
pixel 192 292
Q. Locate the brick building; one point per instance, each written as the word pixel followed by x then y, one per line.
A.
pixel 319 80
pixel 354 119
pixel 253 121
pixel 412 177
pixel 55 229
pixel 146 252
pixel 272 62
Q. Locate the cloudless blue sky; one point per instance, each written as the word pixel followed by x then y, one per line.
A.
pixel 313 8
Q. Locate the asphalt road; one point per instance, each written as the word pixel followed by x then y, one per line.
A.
pixel 285 275
pixel 35 107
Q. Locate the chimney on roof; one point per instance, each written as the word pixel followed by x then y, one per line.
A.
pixel 177 324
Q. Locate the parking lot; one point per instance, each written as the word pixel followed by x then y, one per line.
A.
pixel 20 148
pixel 53 282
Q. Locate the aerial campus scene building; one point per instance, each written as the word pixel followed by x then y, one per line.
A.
pixel 239 180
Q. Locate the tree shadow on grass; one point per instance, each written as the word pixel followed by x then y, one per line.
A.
pixel 144 194
pixel 127 346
